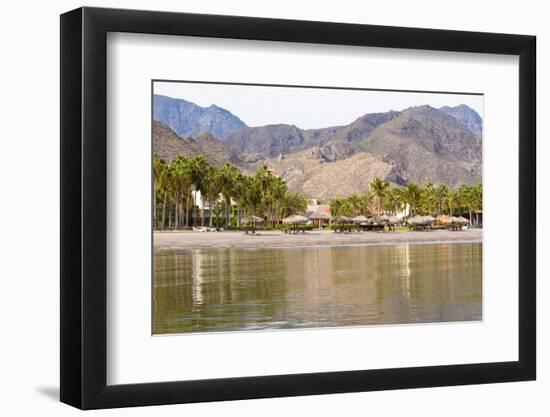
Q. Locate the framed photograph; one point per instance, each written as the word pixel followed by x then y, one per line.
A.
pixel 257 208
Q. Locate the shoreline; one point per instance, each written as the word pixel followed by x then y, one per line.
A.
pixel 187 240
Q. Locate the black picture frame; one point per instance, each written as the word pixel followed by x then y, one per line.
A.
pixel 84 207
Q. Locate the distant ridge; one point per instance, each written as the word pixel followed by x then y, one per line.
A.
pixel 467 116
pixel 188 119
pixel 272 140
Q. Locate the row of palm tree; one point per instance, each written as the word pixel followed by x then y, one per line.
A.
pixel 223 190
pixel 227 190
pixel 419 200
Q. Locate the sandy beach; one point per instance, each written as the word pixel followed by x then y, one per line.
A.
pixel 196 240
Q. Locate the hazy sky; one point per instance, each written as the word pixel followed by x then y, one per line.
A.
pixel 306 108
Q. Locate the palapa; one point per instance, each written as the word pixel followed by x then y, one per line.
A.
pixel 393 220
pixel 252 220
pixel 343 219
pixel 421 220
pixel 295 219
pixel 319 216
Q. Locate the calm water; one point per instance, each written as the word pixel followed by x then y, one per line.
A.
pixel 250 289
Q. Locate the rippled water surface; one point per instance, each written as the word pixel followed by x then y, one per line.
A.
pixel 277 288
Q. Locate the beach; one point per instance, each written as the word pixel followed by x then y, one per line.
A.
pixel 172 240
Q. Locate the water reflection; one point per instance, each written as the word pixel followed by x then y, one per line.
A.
pixel 245 289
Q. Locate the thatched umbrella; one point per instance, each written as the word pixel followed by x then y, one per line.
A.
pixel 393 220
pixel 295 220
pixel 463 220
pixel 359 219
pixel 384 218
pixel 421 220
pixel 252 220
pixel 343 219
pixel 413 220
pixel 319 216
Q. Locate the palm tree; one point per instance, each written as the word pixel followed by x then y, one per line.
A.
pixel 263 180
pixel 212 185
pixel 240 186
pixel 412 195
pixel 428 203
pixel 198 167
pixel 379 189
pixel 159 182
pixel 454 201
pixel 275 195
pixel 229 176
pixel 251 196
pixel 337 207
pixel 393 201
pixel 293 203
pixel 441 195
pixel 182 178
pixel 468 198
pixel 477 192
pixel 356 204
pixel 170 191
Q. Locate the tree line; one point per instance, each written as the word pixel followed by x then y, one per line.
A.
pixel 430 199
pixel 225 190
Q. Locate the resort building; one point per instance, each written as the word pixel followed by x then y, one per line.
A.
pixel 321 212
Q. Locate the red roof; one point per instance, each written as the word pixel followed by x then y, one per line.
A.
pixel 323 208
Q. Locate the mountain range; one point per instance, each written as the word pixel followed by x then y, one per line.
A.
pixel 421 144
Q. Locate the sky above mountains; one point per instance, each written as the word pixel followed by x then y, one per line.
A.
pixel 307 108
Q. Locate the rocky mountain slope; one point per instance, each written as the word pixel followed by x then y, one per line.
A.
pixel 428 146
pixel 306 171
pixel 188 119
pixel 168 145
pixel 467 116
